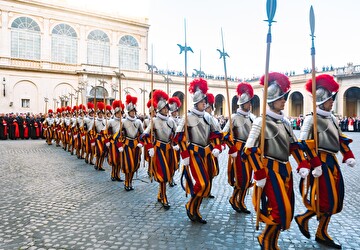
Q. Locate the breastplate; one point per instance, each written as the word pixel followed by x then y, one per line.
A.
pixel 162 130
pixel 277 140
pixel 328 134
pixel 99 125
pixel 50 121
pixel 198 130
pixel 90 124
pixel 130 129
pixel 241 127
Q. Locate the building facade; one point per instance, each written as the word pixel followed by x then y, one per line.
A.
pixel 54 55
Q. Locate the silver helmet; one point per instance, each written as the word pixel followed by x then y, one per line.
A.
pixel 245 93
pixel 198 88
pixel 326 88
pixel 278 86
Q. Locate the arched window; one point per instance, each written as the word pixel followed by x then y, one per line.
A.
pixel 64 44
pixel 25 38
pixel 128 53
pixel 98 51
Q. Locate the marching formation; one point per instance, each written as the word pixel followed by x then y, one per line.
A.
pixel 116 134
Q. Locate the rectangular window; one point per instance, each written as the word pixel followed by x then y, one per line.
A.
pixel 25 103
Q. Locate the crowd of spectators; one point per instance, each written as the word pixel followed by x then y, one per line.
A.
pixel 21 126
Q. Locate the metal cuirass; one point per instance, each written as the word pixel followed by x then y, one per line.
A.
pixel 328 134
pixel 115 125
pixel 241 127
pixel 89 123
pixel 130 129
pixel 198 130
pixel 163 129
pixel 80 121
pixel 277 140
pixel 50 121
pixel 99 125
pixel 67 121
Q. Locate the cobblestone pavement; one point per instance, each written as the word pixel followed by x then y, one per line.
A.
pixel 51 200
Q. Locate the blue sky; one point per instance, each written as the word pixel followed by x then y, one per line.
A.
pixel 337 39
pixel 337 35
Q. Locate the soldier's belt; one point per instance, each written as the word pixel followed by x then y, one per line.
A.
pixel 274 159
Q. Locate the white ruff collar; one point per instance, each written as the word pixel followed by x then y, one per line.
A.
pixel 323 112
pixel 197 112
pixel 242 112
pixel 274 115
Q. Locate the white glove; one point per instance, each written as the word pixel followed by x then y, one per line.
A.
pixel 222 147
pixel 176 147
pixel 120 149
pixel 350 162
pixel 107 144
pixel 92 144
pixel 83 137
pixel 151 152
pixel 304 172
pixel 186 161
pixel 233 155
pixel 317 172
pixel 74 136
pixel 215 152
pixel 140 145
pixel 261 183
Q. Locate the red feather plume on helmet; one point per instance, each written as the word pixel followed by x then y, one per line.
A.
pixel 148 104
pixel 323 81
pixel 100 105
pixel 245 87
pixel 58 110
pixel 68 109
pixel 210 98
pixel 50 111
pixel 198 84
pixel 90 105
pixel 281 79
pixel 108 107
pixel 159 94
pixel 116 104
pixel 131 99
pixel 176 100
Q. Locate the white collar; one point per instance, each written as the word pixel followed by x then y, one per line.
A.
pixel 131 118
pixel 197 112
pixel 162 117
pixel 242 112
pixel 275 115
pixel 323 112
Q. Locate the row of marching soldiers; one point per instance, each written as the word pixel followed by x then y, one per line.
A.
pixel 199 140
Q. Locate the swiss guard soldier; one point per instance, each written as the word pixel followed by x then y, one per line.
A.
pixel 146 123
pixel 80 121
pixel 90 134
pixel 212 170
pixel 161 150
pixel 49 125
pixel 113 128
pixel 132 128
pixel 174 105
pixel 324 163
pixel 239 171
pixel 57 129
pixel 66 126
pixel 101 132
pixel 273 173
pixel 197 150
pixel 74 130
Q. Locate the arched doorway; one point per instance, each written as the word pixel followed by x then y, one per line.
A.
pixel 352 102
pixel 219 105
pixel 255 105
pixel 296 104
pixel 180 95
pixel 234 105
pixel 99 93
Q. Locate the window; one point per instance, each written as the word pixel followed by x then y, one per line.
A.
pixel 128 53
pixel 25 38
pixel 25 103
pixel 98 51
pixel 64 44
